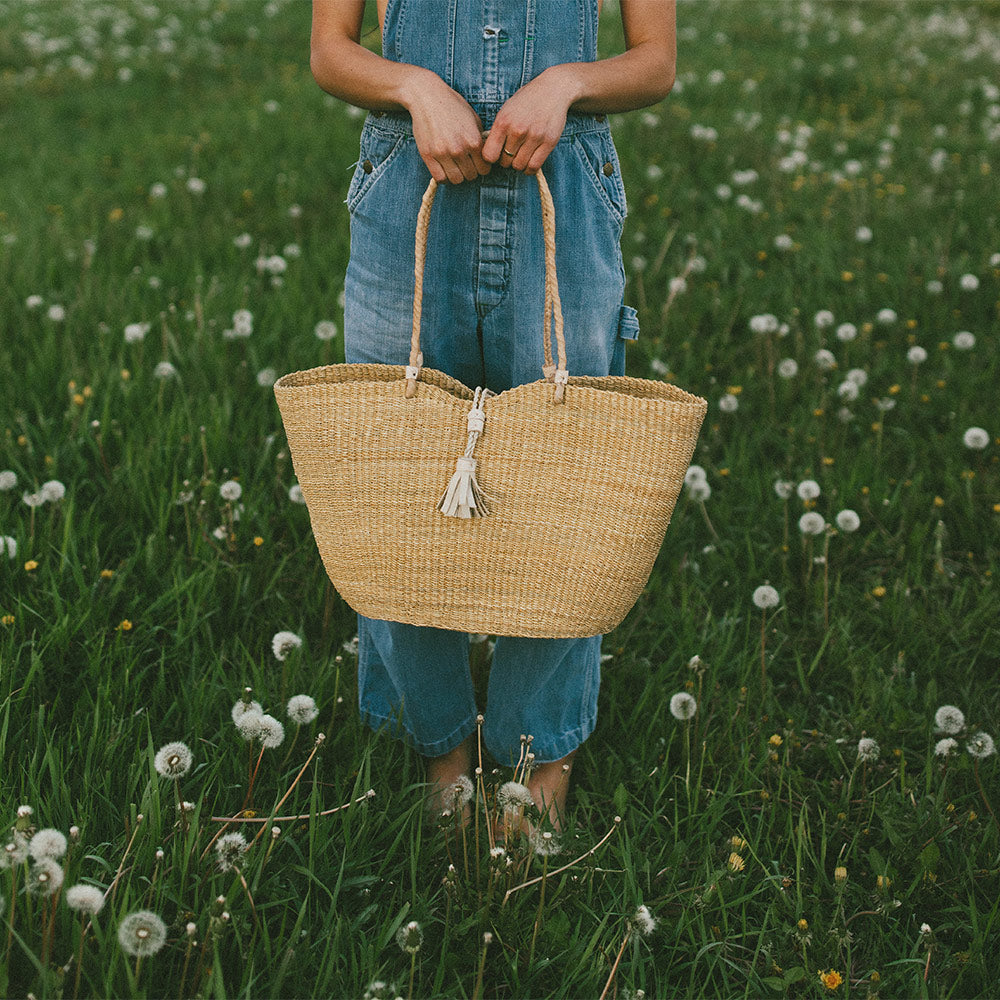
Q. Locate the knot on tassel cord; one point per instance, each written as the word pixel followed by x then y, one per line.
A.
pixel 464 497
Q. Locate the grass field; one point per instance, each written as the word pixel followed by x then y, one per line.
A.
pixel 813 245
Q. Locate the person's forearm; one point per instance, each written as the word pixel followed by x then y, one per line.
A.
pixel 349 71
pixel 635 79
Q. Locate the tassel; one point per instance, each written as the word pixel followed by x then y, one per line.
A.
pixel 464 496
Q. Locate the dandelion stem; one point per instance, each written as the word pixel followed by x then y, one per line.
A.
pixel 291 819
pixel 558 871
pixel 704 514
pixel 413 969
pixel 479 976
pixel 614 968
pixel 982 791
pixel 184 971
pixel 763 663
pixel 538 914
pixel 319 742
pixel 121 866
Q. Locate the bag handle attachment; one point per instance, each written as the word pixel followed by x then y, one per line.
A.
pixel 554 372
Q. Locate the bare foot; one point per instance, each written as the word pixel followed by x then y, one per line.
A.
pixel 444 773
pixel 548 785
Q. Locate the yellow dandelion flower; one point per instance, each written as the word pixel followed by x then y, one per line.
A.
pixel 258 541
pixel 803 924
pixel 831 980
pixel 775 740
pixel 736 863
pixel 7 620
pixel 996 508
pixel 125 625
pixel 78 399
pixel 846 275
pixel 878 591
pixel 723 472
pixel 737 843
pixel 939 501
pixel 883 882
pixel 126 374
pixel 115 215
pixel 876 978
pixel 893 390
pixel 818 412
pixel 106 574
pixel 840 874
pixel 22 440
pixel 828 460
pixel 31 564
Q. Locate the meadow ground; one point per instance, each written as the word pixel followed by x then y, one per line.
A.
pixel 812 244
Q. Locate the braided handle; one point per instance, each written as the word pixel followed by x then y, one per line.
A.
pixel 552 319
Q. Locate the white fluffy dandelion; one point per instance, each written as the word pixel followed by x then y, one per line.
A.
pixel 47 843
pixel 825 361
pixel 230 490
pixel 846 332
pixel 868 750
pixel 545 844
pixel 643 921
pixel 173 760
pixel 8 479
pixel 325 329
pixel 513 795
pixel 808 489
pixel 981 745
pixel 459 793
pixel 249 726
pixel 230 849
pixel 46 877
pixel 964 341
pixel 949 719
pixel 788 368
pixel 765 596
pixel 295 494
pixel 783 489
pixel 282 643
pixel 242 707
pixel 848 521
pixel 15 851
pixel 302 709
pixel 976 438
pixel 410 937
pixel 764 323
pixel 812 523
pixel 823 319
pixel 142 933
pixel 916 355
pixel 683 706
pixel 968 282
pixel 946 747
pixel 85 898
pixel 272 732
pixel 728 402
pixel 53 491
pixel 886 317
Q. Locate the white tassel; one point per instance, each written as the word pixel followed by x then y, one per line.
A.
pixel 464 496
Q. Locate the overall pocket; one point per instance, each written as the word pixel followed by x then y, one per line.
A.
pixel 378 149
pixel 600 160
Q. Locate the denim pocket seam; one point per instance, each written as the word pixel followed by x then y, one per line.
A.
pixel 616 213
pixel 354 199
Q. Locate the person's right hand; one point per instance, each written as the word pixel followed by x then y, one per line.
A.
pixel 448 133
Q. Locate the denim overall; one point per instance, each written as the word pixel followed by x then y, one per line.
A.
pixel 482 324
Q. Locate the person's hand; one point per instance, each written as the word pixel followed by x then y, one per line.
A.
pixel 448 133
pixel 528 126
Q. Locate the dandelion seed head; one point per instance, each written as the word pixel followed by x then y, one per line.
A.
pixel 968 282
pixel 728 402
pixel 808 489
pixel 823 319
pixel 916 355
pixel 683 706
pixel 46 877
pixel 643 921
pixel 513 795
pixel 868 750
pixel 8 479
pixel 695 473
pixel 272 732
pixel 15 851
pixel 848 521
pixel 783 489
pixel 545 844
pixel 249 725
pixel 85 898
pixel 886 317
pixel 173 760
pixel 976 438
pixel 242 707
pixel 52 491
pixel 459 793
pixel 980 745
pixel 282 643
pixel 295 494
pixel 764 323
pixel 229 850
pixel 230 490
pixel 788 368
pixel 963 340
pixel 142 933
pixel 325 330
pixel 846 332
pixel 47 843
pixel 812 523
pixel 765 596
pixel 302 709
pixel 946 747
pixel 949 719
pixel 699 490
pixel 410 937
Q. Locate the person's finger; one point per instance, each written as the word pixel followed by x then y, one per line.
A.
pixel 468 167
pixel 524 154
pixel 537 158
pixel 437 171
pixel 482 167
pixel 493 146
pixel 453 171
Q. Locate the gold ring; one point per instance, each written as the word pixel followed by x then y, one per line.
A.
pixel 508 152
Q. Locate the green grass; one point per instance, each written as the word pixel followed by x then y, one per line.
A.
pixel 901 618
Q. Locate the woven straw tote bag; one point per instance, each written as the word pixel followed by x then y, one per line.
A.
pixel 538 511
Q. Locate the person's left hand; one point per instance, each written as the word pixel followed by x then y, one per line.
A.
pixel 528 126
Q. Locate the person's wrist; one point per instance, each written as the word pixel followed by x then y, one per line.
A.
pixel 566 80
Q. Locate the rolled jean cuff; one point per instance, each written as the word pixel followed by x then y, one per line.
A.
pixel 437 748
pixel 553 749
